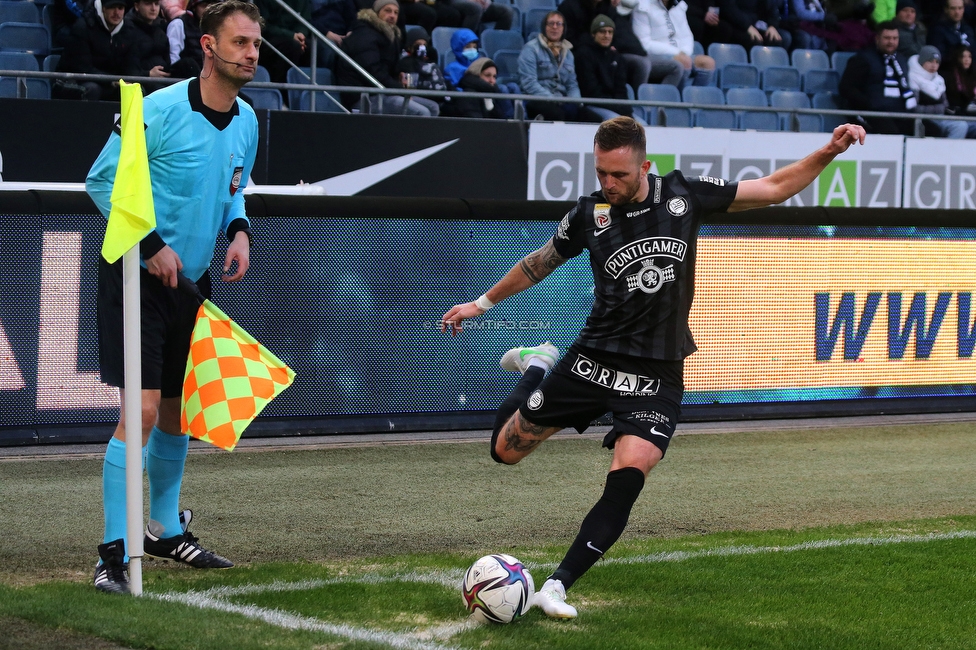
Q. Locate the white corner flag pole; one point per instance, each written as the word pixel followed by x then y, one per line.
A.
pixel 132 335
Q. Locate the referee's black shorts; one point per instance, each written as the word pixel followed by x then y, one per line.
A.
pixel 643 396
pixel 168 316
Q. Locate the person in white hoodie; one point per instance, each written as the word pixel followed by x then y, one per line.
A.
pixel 663 31
pixel 930 88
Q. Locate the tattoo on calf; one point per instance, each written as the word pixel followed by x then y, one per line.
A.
pixel 516 442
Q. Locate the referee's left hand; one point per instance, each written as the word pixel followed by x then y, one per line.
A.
pixel 845 135
pixel 239 250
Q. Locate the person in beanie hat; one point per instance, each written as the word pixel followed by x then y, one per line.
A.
pixel 930 88
pixel 600 69
pixel 418 68
pixel 911 33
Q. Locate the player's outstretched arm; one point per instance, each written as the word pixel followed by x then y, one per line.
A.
pixel 533 269
pixel 787 181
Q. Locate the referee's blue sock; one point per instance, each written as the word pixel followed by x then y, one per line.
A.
pixel 530 380
pixel 165 462
pixel 113 492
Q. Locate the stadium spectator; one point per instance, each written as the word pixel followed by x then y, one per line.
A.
pixel 600 70
pixel 498 13
pixel 482 77
pixel 374 44
pixel 628 45
pixel 287 34
pixel 752 22
pixel 184 33
pixel 101 42
pixel 640 233
pixel 930 89
pixel 807 20
pixel 663 31
pixel 960 76
pixel 911 33
pixel 547 68
pixel 150 35
pixel 884 10
pixel 418 68
pixel 464 46
pixel 189 126
pixel 951 31
pixel 579 15
pixel 334 18
pixel 876 79
pixel 64 14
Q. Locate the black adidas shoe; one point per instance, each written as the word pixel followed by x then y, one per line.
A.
pixel 112 573
pixel 182 548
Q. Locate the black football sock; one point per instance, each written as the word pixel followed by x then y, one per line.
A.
pixel 530 380
pixel 603 525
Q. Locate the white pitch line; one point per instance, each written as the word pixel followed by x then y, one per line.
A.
pixel 288 621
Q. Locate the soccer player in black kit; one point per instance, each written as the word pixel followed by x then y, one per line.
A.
pixel 641 231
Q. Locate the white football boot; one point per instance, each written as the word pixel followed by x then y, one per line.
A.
pixel 517 359
pixel 551 599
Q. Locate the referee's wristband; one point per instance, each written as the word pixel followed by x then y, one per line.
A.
pixel 483 302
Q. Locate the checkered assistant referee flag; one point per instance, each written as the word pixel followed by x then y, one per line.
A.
pixel 230 377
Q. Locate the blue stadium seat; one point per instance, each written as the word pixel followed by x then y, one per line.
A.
pixel 759 121
pixel 716 118
pixel 261 74
pixel 507 63
pixel 746 97
pixel 440 39
pixel 269 98
pixel 529 5
pixel 795 121
pixel 780 78
pixel 838 61
pixel 51 62
pixel 804 60
pixel 703 95
pixel 532 20
pixel 739 75
pixel 18 61
pixel 17 11
pixel 725 53
pixel 658 115
pixel 697 49
pixel 828 101
pixel 765 56
pixel 819 81
pixel 493 40
pixel 33 38
pixel 323 77
pixel 31 88
pixel 323 103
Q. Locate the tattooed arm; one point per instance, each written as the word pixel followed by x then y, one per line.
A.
pixel 532 270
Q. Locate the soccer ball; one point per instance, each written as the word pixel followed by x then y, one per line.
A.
pixel 497 589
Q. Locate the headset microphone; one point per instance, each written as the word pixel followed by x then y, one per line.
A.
pixel 210 47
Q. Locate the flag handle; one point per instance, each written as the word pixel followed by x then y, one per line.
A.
pixel 187 285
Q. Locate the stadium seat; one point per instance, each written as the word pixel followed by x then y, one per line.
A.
pixel 493 40
pixel 18 61
pixel 659 115
pixel 529 5
pixel 804 60
pixel 29 88
pixel 829 102
pixel 323 77
pixel 18 11
pixel 440 39
pixel 795 121
pixel 323 103
pixel 725 53
pixel 269 98
pixel 838 61
pixel 697 49
pixel 716 118
pixel 33 38
pixel 703 95
pixel 261 74
pixel 759 120
pixel 763 56
pixel 780 78
pixel 51 62
pixel 739 75
pixel 818 81
pixel 746 97
pixel 532 20
pixel 507 63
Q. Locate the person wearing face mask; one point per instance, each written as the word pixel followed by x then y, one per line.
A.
pixel 418 68
pixel 547 68
pixel 465 46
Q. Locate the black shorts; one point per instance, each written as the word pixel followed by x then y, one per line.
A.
pixel 168 317
pixel 643 396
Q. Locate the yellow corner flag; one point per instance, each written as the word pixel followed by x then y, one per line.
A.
pixel 133 215
pixel 230 378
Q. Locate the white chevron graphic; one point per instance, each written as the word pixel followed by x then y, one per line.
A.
pixel 358 180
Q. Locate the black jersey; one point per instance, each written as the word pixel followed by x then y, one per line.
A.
pixel 643 261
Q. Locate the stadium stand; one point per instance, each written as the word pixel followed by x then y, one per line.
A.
pixel 763 56
pixel 739 75
pixel 493 40
pixel 804 60
pixel 663 116
pixel 795 121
